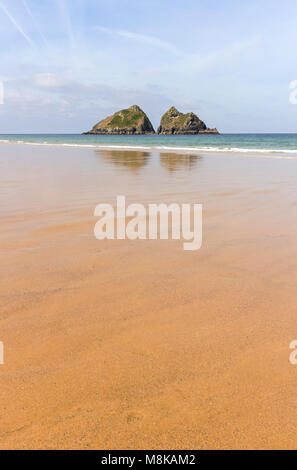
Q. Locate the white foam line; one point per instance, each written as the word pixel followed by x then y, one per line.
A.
pixel 272 153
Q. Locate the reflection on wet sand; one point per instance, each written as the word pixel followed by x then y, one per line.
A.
pixel 114 344
pixel 131 160
pixel 176 161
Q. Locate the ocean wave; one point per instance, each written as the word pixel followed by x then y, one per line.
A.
pixel 187 149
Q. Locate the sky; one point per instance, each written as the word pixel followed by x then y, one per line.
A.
pixel 67 64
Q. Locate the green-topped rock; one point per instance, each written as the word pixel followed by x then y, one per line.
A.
pixel 174 122
pixel 127 121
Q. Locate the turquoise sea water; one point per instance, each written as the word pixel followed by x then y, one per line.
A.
pixel 262 143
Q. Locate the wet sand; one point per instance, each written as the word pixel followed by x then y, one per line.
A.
pixel 140 344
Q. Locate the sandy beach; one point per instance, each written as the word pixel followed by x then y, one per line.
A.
pixel 121 344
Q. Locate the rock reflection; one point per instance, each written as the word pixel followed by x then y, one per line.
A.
pixel 177 161
pixel 131 160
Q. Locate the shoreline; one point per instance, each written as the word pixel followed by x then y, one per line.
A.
pixel 287 154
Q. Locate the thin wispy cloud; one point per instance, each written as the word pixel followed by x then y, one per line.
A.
pixel 16 24
pixel 35 22
pixel 227 53
pixel 190 57
pixel 48 80
pixel 142 38
pixel 62 8
pixel 64 12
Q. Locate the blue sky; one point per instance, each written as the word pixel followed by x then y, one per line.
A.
pixel 66 64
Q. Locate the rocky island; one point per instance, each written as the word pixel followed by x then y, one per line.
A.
pixel 175 122
pixel 131 121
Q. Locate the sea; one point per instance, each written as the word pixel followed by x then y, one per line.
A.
pixel 282 144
